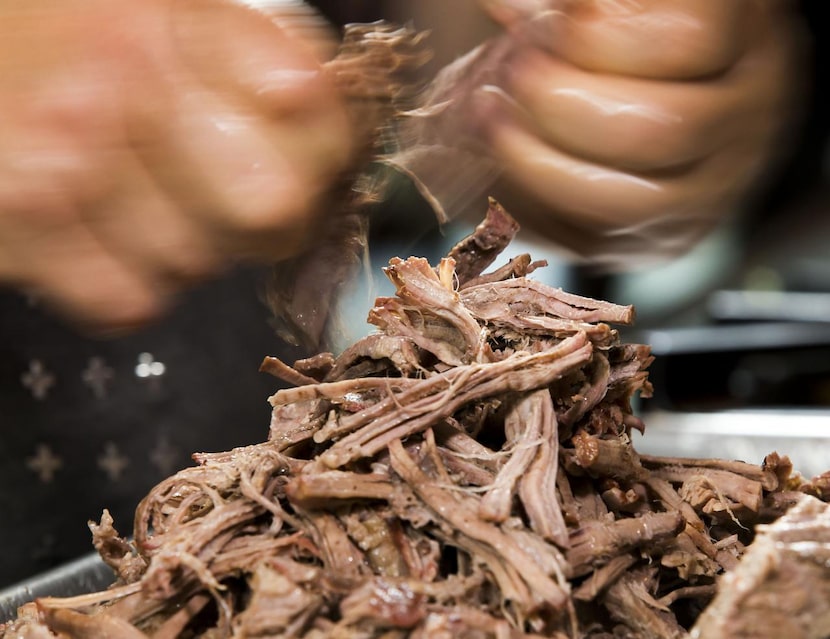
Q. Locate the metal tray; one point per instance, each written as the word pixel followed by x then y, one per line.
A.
pixel 801 434
pixel 87 574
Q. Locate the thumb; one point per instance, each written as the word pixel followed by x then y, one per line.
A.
pixel 236 49
pixel 302 22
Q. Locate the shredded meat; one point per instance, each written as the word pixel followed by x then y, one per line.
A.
pixel 466 472
pixel 782 586
pixel 372 71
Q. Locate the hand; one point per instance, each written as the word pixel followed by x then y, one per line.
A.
pixel 144 145
pixel 635 125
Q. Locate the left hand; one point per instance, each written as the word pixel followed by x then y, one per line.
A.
pixel 147 145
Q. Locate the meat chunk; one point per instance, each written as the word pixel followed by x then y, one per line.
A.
pixel 781 588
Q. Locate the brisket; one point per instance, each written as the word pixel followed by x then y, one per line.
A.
pixel 465 472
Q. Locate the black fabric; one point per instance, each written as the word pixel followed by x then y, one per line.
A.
pixel 341 12
pixel 808 165
pixel 210 397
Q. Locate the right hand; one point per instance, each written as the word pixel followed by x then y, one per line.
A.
pixel 633 126
pixel 145 145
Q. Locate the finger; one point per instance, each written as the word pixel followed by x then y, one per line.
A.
pixel 242 174
pixel 647 38
pixel 69 268
pixel 237 49
pixel 631 123
pixel 44 167
pixel 149 232
pixel 218 145
pixel 49 143
pixel 586 193
pixel 302 22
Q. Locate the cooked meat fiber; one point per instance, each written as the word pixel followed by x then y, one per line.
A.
pixel 782 586
pixel 464 472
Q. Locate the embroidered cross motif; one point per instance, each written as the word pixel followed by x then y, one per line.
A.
pixel 164 456
pixel 112 462
pixel 97 375
pixel 44 463
pixel 38 380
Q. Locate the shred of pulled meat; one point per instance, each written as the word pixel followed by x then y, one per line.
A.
pixel 464 472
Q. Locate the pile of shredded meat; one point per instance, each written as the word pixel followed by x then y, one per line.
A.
pixel 463 472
